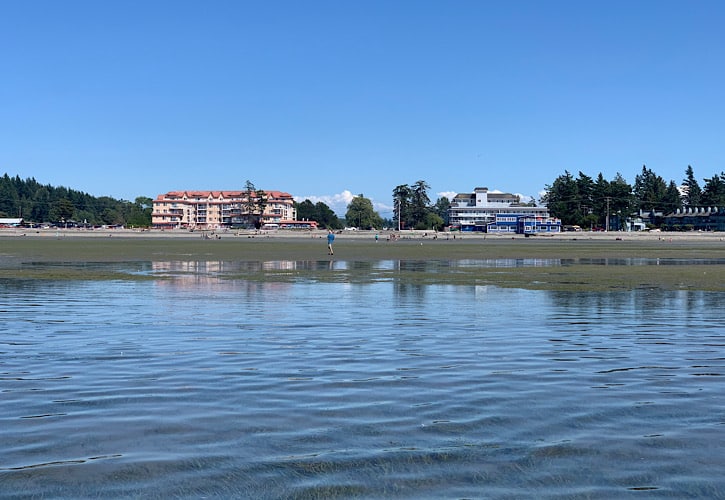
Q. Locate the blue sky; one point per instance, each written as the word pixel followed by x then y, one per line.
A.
pixel 324 99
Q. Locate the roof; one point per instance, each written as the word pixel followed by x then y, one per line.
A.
pixel 219 194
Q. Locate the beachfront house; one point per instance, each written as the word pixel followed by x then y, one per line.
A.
pixel 493 212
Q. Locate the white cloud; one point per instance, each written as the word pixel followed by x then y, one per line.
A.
pixel 383 209
pixel 524 198
pixel 337 202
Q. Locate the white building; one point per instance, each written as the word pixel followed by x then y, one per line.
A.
pixel 481 210
pixel 10 221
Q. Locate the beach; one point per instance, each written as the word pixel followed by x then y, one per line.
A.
pixel 146 364
pixel 584 260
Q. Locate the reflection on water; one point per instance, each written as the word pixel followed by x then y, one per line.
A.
pixel 659 309
pixel 197 385
pixel 217 268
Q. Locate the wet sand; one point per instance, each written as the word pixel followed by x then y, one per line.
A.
pixel 578 261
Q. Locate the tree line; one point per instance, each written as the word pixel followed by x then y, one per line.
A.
pixel 360 214
pixel 42 203
pixel 412 210
pixel 583 200
pixel 589 202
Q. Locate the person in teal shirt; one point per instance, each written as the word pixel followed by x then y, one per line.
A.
pixel 330 239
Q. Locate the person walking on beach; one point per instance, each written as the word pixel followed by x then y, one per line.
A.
pixel 330 239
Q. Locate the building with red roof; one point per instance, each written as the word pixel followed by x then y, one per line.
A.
pixel 223 209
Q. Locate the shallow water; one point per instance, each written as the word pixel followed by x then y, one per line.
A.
pixel 195 386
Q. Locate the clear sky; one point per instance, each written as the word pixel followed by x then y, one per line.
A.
pixel 322 99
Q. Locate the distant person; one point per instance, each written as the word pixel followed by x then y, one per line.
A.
pixel 330 239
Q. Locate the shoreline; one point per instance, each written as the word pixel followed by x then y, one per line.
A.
pixel 568 261
pixel 357 234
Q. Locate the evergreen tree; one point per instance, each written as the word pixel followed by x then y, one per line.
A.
pixel 253 206
pixel 649 190
pixel 37 203
pixel 672 199
pixel 260 203
pixel 713 193
pixel 419 202
pixel 8 197
pixel 62 210
pixel 585 193
pixel 601 198
pixel 40 205
pixel 401 205
pixel 441 207
pixel 693 192
pixel 562 199
pixel 621 197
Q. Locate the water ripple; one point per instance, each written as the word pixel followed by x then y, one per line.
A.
pixel 282 390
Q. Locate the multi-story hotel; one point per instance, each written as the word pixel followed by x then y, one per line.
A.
pixel 220 209
pixel 499 213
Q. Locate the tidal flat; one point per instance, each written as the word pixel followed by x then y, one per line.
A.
pixel 562 263
pixel 257 366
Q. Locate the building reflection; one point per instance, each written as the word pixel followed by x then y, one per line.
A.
pixel 657 304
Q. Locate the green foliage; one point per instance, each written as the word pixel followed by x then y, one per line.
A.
pixel 412 207
pixel 585 202
pixel 441 208
pixel 360 213
pixel 419 202
pixel 693 192
pixel 671 200
pixel 713 194
pixel 434 221
pixel 39 203
pixel 306 210
pixel 401 208
pixel 649 190
pixel 578 201
pixel 62 210
pixel 320 213
pixel 562 199
pixel 254 205
pixel 623 200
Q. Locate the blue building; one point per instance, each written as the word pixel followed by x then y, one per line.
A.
pixel 513 223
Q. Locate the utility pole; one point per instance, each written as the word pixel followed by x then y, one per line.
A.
pixel 399 215
pixel 607 223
